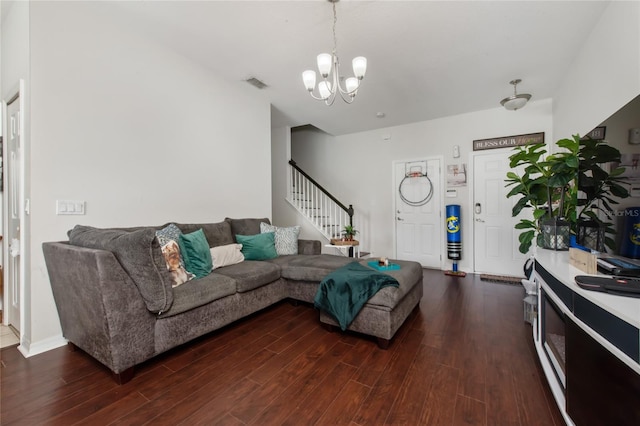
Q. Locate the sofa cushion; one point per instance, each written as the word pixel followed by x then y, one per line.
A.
pixel 258 247
pixel 286 238
pixel 195 250
pixel 200 291
pixel 226 255
pixel 251 274
pixel 218 234
pixel 246 226
pixel 310 267
pixel 139 254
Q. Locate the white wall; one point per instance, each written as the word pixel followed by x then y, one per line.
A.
pixel 357 168
pixel 605 74
pixel 141 134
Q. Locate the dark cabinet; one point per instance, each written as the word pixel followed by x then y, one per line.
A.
pixel 600 389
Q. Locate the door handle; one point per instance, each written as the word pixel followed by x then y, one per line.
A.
pixel 479 220
pixel 399 218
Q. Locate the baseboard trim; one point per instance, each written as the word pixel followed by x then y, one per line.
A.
pixel 28 349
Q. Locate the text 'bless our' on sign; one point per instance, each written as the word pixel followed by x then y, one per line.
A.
pixel 508 141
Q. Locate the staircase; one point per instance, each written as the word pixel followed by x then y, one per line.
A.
pixel 316 204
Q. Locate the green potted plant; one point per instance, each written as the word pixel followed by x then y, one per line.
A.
pixel 349 232
pixel 547 186
pixel 600 189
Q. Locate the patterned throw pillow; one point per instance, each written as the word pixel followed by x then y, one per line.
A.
pixel 168 239
pixel 171 252
pixel 286 238
pixel 169 233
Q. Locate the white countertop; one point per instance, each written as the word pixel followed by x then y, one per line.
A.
pixel 557 264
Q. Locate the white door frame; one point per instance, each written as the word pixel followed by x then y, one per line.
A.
pixel 394 206
pixel 18 92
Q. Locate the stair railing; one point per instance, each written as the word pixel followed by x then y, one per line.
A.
pixel 314 202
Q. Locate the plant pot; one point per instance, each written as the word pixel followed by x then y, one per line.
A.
pixel 555 234
pixel 591 235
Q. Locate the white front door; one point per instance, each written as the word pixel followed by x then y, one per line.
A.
pixel 418 211
pixel 13 175
pixel 495 237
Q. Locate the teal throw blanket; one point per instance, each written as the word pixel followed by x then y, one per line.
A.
pixel 344 291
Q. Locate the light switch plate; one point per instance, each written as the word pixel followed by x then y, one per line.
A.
pixel 65 207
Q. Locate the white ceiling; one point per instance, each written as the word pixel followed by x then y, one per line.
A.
pixel 426 59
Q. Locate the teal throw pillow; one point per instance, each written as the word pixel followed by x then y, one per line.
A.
pixel 259 246
pixel 194 248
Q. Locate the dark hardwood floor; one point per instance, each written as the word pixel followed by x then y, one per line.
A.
pixel 465 357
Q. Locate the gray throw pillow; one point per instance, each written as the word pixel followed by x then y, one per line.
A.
pixel 139 254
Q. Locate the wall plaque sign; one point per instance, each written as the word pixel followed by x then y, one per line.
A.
pixel 508 141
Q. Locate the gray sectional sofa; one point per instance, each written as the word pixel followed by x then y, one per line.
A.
pixel 115 301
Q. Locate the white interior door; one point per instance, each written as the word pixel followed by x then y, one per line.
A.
pixel 418 210
pixel 495 237
pixel 13 165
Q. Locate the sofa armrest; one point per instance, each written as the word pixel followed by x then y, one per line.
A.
pixel 309 247
pixel 100 308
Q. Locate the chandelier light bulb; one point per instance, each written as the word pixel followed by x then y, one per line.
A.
pixel 324 87
pixel 325 61
pixel 359 67
pixel 352 85
pixel 309 79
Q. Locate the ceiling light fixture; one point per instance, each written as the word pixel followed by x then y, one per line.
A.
pixel 329 67
pixel 516 101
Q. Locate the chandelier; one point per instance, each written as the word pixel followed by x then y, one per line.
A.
pixel 329 67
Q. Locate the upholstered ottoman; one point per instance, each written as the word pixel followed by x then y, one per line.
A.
pixel 387 310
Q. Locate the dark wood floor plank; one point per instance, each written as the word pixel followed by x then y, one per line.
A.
pixel 374 365
pixel 61 401
pixel 305 384
pixel 346 403
pixel 269 369
pixel 382 396
pixel 464 357
pixel 257 401
pixel 100 408
pixel 316 402
pixel 532 406
pixel 299 328
pixel 469 411
pixel 440 404
pixel 414 390
pixel 215 362
pixel 500 346
pixel 218 407
pixel 196 391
